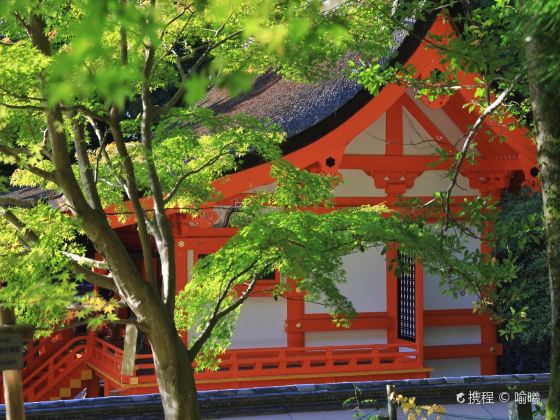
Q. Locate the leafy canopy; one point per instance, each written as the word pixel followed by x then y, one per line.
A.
pixel 119 84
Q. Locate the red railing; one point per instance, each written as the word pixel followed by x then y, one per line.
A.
pixel 273 361
pixel 41 381
pixel 309 360
pixel 39 351
pixel 241 363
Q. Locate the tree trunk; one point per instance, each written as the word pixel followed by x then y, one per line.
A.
pixel 13 386
pixel 545 97
pixel 175 374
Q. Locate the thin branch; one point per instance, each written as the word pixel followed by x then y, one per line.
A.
pixel 173 20
pixel 466 146
pixel 123 38
pixel 30 237
pixel 13 153
pixel 181 91
pixel 216 313
pixel 23 23
pixel 28 107
pixel 197 346
pixel 22 97
pixel 84 165
pixel 102 144
pixel 86 112
pixel 182 178
pixel 85 261
pixel 85 323
pixel 100 280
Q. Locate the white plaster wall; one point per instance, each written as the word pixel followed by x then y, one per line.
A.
pixel 430 182
pixel 454 367
pixel 345 337
pixel 416 140
pixel 443 336
pixel 371 141
pixel 440 119
pixel 366 274
pixel 433 298
pixel 260 324
pixel 356 183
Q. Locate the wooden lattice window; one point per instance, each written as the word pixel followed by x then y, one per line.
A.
pixel 406 298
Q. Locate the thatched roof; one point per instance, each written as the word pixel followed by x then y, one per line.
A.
pixel 295 106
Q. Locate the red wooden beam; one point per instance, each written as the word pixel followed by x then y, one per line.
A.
pixel 462 351
pixel 454 317
pixel 323 322
pixel 414 163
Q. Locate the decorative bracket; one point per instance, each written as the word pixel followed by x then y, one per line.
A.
pixel 393 182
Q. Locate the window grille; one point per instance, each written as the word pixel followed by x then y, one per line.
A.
pixel 406 295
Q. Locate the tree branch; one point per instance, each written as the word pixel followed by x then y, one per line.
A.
pixel 86 112
pixel 100 280
pixel 164 241
pixel 182 178
pixel 132 191
pixel 217 314
pixel 85 261
pixel 466 146
pixel 28 107
pixel 8 151
pixel 181 91
pixel 84 165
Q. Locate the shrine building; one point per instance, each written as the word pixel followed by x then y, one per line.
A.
pixel 382 146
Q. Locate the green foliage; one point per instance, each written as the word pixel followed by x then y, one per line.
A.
pixel 31 272
pixel 523 235
pixel 123 80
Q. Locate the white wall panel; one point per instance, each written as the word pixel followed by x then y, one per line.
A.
pixel 357 184
pixel 443 336
pixel 345 337
pixel 454 367
pixel 371 141
pixel 260 324
pixel 366 274
pixel 416 140
pixel 440 119
pixel 430 182
pixel 434 299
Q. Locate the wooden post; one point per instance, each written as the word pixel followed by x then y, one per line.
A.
pixel 520 411
pixel 129 352
pixel 295 312
pixel 13 388
pixel 391 407
pixel 93 386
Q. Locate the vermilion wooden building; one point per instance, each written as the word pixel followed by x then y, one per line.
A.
pixel 382 147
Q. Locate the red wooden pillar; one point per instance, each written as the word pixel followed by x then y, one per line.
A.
pixel 488 364
pixel 93 386
pixel 107 388
pixel 182 269
pixel 488 332
pixel 391 288
pixel 394 130
pixel 295 313
pixel 181 255
pixel 419 303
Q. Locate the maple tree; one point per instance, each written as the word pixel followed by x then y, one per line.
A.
pixel 98 101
